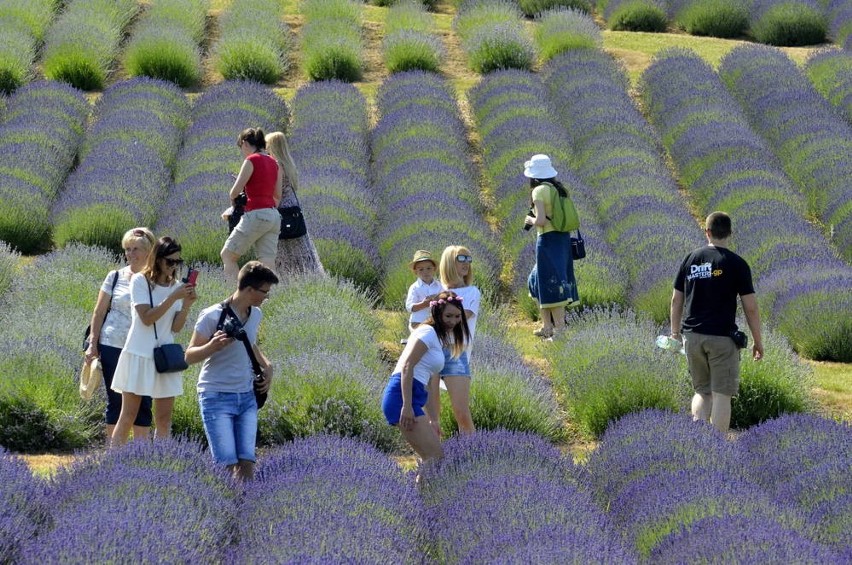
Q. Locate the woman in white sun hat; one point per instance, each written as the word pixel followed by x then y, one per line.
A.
pixel 551 281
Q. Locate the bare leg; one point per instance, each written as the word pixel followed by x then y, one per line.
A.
pixel 546 323
pixel 163 416
pixel 110 429
pixel 229 261
pixel 558 315
pixel 459 390
pixel 701 406
pixel 141 433
pixel 720 415
pixel 129 409
pixel 423 439
pixel 433 404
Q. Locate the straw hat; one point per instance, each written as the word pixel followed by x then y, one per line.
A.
pixel 90 378
pixel 422 255
pixel 539 167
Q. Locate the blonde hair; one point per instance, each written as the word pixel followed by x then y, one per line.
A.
pixel 277 146
pixel 139 235
pixel 449 274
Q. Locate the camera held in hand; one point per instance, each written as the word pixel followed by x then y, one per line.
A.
pixel 530 214
pixel 241 200
pixel 233 328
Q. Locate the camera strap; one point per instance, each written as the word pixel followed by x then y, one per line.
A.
pixel 226 311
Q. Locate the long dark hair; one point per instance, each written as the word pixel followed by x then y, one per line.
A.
pixel 165 246
pixel 461 332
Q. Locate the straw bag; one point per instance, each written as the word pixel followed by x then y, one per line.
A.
pixel 91 376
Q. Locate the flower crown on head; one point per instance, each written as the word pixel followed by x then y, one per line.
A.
pixel 448 300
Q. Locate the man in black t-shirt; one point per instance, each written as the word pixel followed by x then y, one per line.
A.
pixel 704 307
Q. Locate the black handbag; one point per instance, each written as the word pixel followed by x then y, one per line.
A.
pixel 168 358
pixel 239 208
pixel 86 340
pixel 578 246
pixel 292 221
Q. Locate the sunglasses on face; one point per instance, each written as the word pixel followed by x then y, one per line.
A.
pixel 262 291
pixel 173 262
pixel 464 258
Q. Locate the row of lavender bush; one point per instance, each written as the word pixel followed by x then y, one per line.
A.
pixel 81 46
pixel 126 163
pixel 649 493
pixel 508 105
pixel 619 156
pixel 493 36
pixel 830 71
pixel 725 166
pixel 409 42
pixel 563 29
pixel 425 182
pixel 23 24
pixel 208 157
pixel 41 130
pixel 166 43
pixel 253 43
pixel 812 142
pixel 331 39
pixel 839 14
pixel 330 143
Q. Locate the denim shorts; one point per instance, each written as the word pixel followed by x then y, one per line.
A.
pixel 455 367
pixel 230 424
pixel 392 399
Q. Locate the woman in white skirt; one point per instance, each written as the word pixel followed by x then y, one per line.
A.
pixel 158 297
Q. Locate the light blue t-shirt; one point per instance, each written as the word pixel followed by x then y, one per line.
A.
pixel 227 370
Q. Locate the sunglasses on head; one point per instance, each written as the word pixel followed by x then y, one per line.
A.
pixel 464 258
pixel 173 262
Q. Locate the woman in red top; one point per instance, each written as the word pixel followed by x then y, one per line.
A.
pixel 261 179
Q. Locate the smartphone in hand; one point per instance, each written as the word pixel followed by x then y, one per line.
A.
pixel 191 276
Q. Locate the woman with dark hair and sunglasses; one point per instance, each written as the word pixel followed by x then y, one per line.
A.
pixel 457 276
pixel 111 324
pixel 407 392
pixel 158 298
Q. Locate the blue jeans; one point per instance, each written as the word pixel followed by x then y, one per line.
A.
pixel 230 424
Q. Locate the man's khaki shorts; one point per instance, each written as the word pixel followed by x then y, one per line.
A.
pixel 259 228
pixel 714 363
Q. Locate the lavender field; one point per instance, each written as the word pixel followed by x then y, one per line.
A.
pixel 399 148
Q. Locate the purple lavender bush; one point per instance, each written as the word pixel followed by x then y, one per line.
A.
pixel 512 491
pixel 620 157
pixel 329 499
pixel 509 106
pixel 170 494
pixel 424 178
pixel 22 28
pixel 253 43
pixel 81 46
pixel 330 378
pixel 644 443
pixel 192 209
pixel 652 509
pixel 634 15
pixel 810 140
pixel 726 166
pixel 138 123
pixel 788 23
pixel 330 144
pixel 740 539
pixel 493 36
pixel 40 133
pixel 830 71
pixel 839 14
pixel 23 506
pixel 605 366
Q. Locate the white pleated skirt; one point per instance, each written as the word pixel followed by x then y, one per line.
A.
pixel 138 375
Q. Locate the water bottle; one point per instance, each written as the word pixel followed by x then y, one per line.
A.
pixel 669 343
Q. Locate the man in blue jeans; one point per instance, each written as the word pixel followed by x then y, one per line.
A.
pixel 226 383
pixel 704 307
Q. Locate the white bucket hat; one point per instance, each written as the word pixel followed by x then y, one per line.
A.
pixel 539 167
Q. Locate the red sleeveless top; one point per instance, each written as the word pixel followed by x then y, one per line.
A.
pixel 261 186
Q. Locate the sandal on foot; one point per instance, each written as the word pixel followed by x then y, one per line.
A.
pixel 541 332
